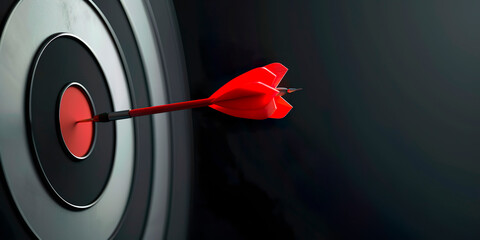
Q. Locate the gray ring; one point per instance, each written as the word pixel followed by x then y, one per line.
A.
pixel 29 24
pixel 155 20
pixel 157 220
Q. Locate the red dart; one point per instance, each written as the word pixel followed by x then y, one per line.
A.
pixel 252 95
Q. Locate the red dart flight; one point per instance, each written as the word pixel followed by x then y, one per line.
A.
pixel 252 95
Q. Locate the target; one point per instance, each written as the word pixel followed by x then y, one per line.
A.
pixel 122 180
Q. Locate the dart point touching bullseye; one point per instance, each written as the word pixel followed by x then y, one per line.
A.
pixel 252 95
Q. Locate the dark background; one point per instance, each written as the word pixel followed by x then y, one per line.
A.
pixel 383 141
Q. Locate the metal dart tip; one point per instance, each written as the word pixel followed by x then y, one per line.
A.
pixel 291 90
pixel 282 91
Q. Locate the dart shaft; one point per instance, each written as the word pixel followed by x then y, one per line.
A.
pixel 170 107
pixel 112 116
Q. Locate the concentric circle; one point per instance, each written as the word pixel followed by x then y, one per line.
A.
pixel 64 62
pixel 21 39
pixel 136 47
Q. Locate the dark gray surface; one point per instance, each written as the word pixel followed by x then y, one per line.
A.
pixel 383 141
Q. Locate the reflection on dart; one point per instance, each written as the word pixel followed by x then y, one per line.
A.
pixel 252 95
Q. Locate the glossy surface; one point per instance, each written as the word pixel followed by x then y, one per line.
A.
pixel 253 95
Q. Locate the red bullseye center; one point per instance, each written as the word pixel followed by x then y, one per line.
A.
pixel 74 106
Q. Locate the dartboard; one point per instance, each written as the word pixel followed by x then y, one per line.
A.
pixel 130 180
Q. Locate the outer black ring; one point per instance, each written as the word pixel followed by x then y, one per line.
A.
pixel 92 108
pixel 163 16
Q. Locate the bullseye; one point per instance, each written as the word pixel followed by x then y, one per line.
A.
pixel 75 105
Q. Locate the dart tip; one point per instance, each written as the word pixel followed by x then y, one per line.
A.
pixel 282 91
pixel 291 90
